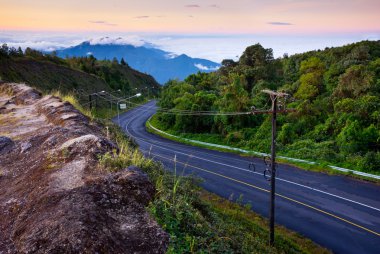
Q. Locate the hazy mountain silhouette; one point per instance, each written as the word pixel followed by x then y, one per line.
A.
pixel 160 64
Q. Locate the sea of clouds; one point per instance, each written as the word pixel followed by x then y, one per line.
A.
pixel 211 47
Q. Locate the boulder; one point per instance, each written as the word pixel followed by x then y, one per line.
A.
pixel 6 145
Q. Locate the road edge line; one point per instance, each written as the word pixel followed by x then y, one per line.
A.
pixel 345 170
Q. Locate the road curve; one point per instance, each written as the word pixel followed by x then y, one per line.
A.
pixel 337 212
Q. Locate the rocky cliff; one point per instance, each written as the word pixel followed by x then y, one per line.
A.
pixel 54 195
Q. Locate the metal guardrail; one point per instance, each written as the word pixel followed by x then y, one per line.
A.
pixel 346 170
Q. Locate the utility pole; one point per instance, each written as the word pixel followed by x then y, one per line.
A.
pixel 96 98
pixel 273 169
pixel 274 96
pixel 90 100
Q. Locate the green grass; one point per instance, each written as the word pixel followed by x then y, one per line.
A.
pixel 73 100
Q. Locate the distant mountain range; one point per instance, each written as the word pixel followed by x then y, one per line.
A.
pixel 160 64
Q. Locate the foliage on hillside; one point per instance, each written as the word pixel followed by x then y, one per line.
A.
pixel 48 72
pixel 197 221
pixel 336 93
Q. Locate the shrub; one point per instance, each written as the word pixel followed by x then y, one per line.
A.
pixel 369 162
pixel 308 149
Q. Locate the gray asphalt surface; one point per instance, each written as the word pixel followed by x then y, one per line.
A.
pixel 337 212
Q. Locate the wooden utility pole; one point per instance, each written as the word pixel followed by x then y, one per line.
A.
pixel 274 97
pixel 90 100
pixel 273 169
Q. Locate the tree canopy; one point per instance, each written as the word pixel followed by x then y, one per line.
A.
pixel 336 93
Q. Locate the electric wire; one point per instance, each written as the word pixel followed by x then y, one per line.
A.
pixel 193 113
pixel 180 112
pixel 168 111
pixel 143 107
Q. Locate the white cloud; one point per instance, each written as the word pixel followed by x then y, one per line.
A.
pixel 40 41
pixel 39 45
pixel 171 56
pixel 215 48
pixel 206 68
pixel 133 40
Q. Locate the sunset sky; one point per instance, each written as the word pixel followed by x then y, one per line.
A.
pixel 229 18
pixel 223 16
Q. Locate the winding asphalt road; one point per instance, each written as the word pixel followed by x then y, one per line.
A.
pixel 337 212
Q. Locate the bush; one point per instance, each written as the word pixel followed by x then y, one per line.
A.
pixel 369 162
pixel 308 149
pixel 233 137
pixel 286 135
pixel 262 140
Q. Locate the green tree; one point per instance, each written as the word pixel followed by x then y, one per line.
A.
pixel 4 50
pixel 256 55
pixel 234 98
pixel 311 80
pixel 356 81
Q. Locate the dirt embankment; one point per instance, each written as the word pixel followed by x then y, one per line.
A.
pixel 54 196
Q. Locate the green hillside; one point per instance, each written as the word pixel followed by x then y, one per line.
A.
pixel 336 93
pixel 48 72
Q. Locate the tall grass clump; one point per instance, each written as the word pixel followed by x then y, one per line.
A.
pixel 197 221
pixel 73 100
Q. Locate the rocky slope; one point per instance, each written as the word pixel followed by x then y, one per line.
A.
pixel 54 196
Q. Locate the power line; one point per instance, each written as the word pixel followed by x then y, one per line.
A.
pixel 194 113
pixel 172 111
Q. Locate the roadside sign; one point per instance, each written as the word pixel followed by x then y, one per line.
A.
pixel 123 106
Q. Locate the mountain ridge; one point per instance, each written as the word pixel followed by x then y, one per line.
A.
pixel 162 65
pixel 48 73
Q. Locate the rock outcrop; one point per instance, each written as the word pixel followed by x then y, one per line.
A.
pixel 54 196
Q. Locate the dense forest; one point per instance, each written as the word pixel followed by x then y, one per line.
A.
pixel 336 94
pixel 48 72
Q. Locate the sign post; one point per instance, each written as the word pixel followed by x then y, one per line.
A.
pixel 123 105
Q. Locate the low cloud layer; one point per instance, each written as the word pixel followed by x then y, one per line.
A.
pixel 133 40
pixel 280 23
pixel 214 48
pixel 206 68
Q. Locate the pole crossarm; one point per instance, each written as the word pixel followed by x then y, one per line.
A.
pixel 257 112
pixel 274 93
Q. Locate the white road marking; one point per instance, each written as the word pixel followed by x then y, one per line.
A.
pixel 242 169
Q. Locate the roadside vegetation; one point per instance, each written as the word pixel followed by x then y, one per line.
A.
pixel 336 94
pixel 215 139
pixel 197 221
